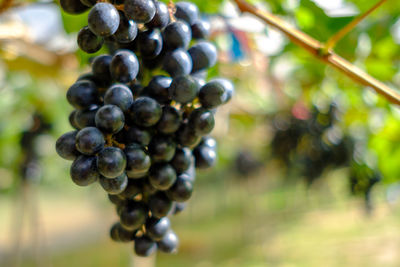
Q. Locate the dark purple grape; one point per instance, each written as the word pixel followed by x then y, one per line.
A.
pixel 162 176
pixel 127 30
pixel 158 89
pixel 110 119
pixel 186 136
pixel 133 215
pixel 157 228
pixel 144 246
pixel 179 207
pixel 145 112
pixel 181 190
pixel 214 93
pixel 119 95
pixel 114 186
pixel 183 89
pixel 85 117
pixel 150 43
pixel 131 190
pixel 204 55
pixel 137 135
pixel 177 62
pixel 111 162
pixel 169 243
pixel 141 11
pixel 187 11
pixel 177 35
pixel 83 94
pixel 205 157
pixel 138 161
pixel 101 70
pixel 202 121
pixel 65 146
pixel 201 29
pixel 161 18
pixel 162 148
pixel 170 120
pixel 71 119
pixel 88 41
pixel 182 159
pixel 103 19
pixel 159 205
pixel 124 66
pixel 84 171
pixel 89 3
pixel 119 234
pixel 89 141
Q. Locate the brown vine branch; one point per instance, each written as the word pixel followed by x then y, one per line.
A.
pixel 344 31
pixel 315 47
pixel 6 4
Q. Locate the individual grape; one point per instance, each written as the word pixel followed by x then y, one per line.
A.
pixel 136 88
pixel 204 55
pixel 117 199
pixel 183 89
pixel 201 29
pixel 177 35
pixel 169 243
pixel 119 95
pixel 159 205
pixel 170 120
pixel 89 141
pixel 145 112
pixel 114 186
pixel 146 187
pixel 182 159
pixel 162 148
pixel 131 190
pixel 110 119
pixel 73 6
pixel 111 162
pixel 127 30
pixel 141 11
pixel 161 17
pixel 213 94
pixel 181 190
pixel 84 171
pixel 205 157
pixel 88 41
pixel 154 63
pixel 179 207
pixel 208 141
pixel 187 11
pixel 157 228
pixel 202 121
pixel 83 94
pixel 144 246
pixel 71 119
pixel 177 62
pixel 138 161
pixel 119 234
pixel 186 136
pixel 101 70
pixel 124 66
pixel 162 176
pixel 150 43
pixel 103 19
pixel 85 117
pixel 65 146
pixel 133 215
pixel 138 135
pixel 158 89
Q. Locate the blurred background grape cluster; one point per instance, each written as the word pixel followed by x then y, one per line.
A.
pixel 307 173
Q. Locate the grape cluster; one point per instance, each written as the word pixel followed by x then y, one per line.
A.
pixel 143 114
pixel 317 144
